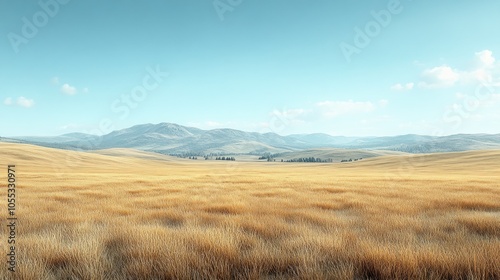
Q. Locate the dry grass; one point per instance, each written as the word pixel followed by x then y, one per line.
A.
pixel 110 217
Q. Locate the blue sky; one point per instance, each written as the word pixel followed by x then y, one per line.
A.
pixel 340 67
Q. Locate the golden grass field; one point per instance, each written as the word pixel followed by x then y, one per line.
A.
pixel 133 215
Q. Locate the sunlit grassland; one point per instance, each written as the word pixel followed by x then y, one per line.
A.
pixel 89 216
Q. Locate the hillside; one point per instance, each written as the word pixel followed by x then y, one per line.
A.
pixel 28 156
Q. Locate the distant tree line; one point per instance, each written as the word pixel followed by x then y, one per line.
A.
pixel 187 155
pixel 350 160
pixel 225 158
pixel 309 159
pixel 195 155
pixel 269 156
pixel 266 156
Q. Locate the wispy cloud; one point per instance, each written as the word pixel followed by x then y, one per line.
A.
pixel 439 77
pixel 325 110
pixel 483 70
pixel 291 114
pixel 401 87
pixel 25 102
pixel 67 89
pixel 21 101
pixel 486 58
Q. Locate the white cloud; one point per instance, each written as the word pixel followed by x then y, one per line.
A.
pixel 25 102
pixel 21 101
pixel 67 89
pixel 401 87
pixel 327 109
pixel 484 70
pixel 293 117
pixel 439 77
pixel 290 113
pixel 481 74
pixel 331 109
pixel 485 58
pixel 318 114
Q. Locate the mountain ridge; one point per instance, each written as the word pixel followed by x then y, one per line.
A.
pixel 171 138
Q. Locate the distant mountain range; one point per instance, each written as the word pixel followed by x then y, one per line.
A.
pixel 169 138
